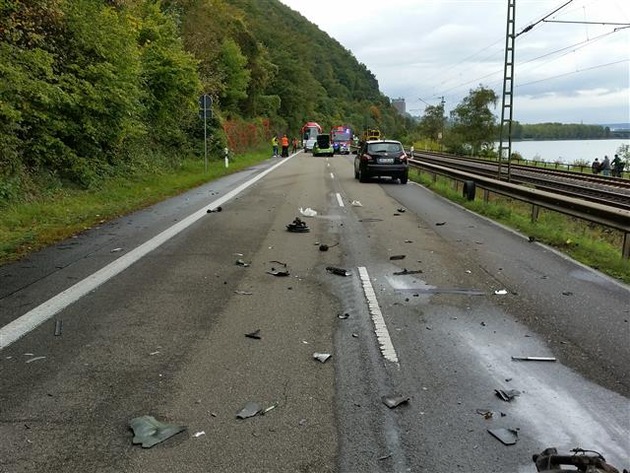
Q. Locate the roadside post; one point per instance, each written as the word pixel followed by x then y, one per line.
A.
pixel 205 111
pixel 226 152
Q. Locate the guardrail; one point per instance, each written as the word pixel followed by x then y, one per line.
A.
pixel 618 219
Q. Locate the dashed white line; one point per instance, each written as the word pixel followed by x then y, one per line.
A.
pixel 382 334
pixel 35 317
pixel 339 200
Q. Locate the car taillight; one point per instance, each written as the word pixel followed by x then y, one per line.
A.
pixel 366 157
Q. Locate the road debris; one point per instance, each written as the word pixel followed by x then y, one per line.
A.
pixel 298 226
pixel 533 358
pixel 323 357
pixel 505 436
pixel 270 408
pixel 338 271
pixel 500 292
pixel 402 210
pixel 397 257
pixel 215 210
pixel 324 247
pixel 250 410
pixel 407 271
pixel 439 224
pixel 384 457
pixel 255 334
pixel 308 212
pixel 116 250
pixel 37 358
pixel 240 262
pixel 345 315
pixel 282 273
pixel 507 396
pixel 199 434
pixel 357 203
pixel 243 293
pixel 395 400
pixel 148 431
pixel 58 327
pixel 370 220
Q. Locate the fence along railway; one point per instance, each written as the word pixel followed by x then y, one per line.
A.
pixel 602 200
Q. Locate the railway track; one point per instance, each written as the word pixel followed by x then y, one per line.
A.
pixel 610 191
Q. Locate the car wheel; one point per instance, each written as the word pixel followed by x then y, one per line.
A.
pixel 363 177
pixel 356 173
pixel 404 178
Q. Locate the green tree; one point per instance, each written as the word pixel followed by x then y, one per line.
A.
pixel 235 76
pixel 473 121
pixel 433 121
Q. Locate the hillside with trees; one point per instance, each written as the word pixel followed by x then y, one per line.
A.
pixel 96 88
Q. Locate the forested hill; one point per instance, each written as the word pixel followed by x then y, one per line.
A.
pixel 93 88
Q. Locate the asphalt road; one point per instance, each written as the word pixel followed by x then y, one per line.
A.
pixel 147 315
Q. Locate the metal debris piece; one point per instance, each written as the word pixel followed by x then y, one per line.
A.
pixel 250 410
pixel 323 357
pixel 270 408
pixel 215 210
pixel 394 400
pixel 30 360
pixel 150 432
pixel 507 396
pixel 240 262
pixel 298 226
pixel 397 257
pixel 58 327
pixel 255 334
pixel 338 271
pixel 533 358
pixel 407 271
pixel 505 436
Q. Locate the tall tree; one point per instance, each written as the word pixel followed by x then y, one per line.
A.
pixel 473 121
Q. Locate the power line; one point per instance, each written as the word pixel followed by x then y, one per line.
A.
pixel 574 72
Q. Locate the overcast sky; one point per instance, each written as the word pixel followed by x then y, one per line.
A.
pixel 422 50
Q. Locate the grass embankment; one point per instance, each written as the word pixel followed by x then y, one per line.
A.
pixel 28 226
pixel 593 245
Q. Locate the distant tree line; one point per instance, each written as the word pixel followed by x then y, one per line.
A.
pixel 559 131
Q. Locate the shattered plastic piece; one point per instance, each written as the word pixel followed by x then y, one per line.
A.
pixel 270 408
pixel 323 357
pixel 402 210
pixel 394 400
pixel 35 359
pixel 250 410
pixel 308 212
pixel 506 396
pixel 298 226
pixel 199 434
pixel 218 209
pixel 149 431
pixel 385 457
pixel 487 414
pixel 500 292
pixel 58 327
pixel 397 257
pixel 240 262
pixel 279 273
pixel 439 224
pixel 505 436
pixel 356 203
pixel 338 271
pixel 324 247
pixel 255 334
pixel 345 315
pixel 407 271
pixel 370 220
pixel 533 358
pixel 153 353
pixel 116 250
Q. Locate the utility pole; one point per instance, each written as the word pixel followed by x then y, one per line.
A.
pixel 505 134
pixel 441 136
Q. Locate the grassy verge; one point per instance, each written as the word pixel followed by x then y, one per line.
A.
pixel 28 226
pixel 593 245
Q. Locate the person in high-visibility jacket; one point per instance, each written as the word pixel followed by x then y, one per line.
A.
pixel 274 145
pixel 285 146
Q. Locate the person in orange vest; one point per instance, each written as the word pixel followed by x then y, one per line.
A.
pixel 285 146
pixel 295 145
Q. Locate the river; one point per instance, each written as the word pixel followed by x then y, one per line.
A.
pixel 568 151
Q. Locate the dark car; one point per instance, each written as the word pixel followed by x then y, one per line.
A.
pixel 382 158
pixel 323 146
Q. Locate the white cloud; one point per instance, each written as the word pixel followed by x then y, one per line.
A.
pixel 425 49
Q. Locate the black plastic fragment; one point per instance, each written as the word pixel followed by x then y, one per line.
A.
pixel 506 396
pixel 338 271
pixel 397 257
pixel 407 271
pixel 505 436
pixel 298 226
pixel 218 209
pixel 255 334
pixel 58 327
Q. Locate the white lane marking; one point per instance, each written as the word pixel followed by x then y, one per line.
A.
pixel 382 334
pixel 332 176
pixel 339 200
pixel 35 317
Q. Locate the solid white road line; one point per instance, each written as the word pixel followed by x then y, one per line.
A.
pixel 339 200
pixel 35 317
pixel 382 334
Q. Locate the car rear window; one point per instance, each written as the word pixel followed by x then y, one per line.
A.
pixel 385 148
